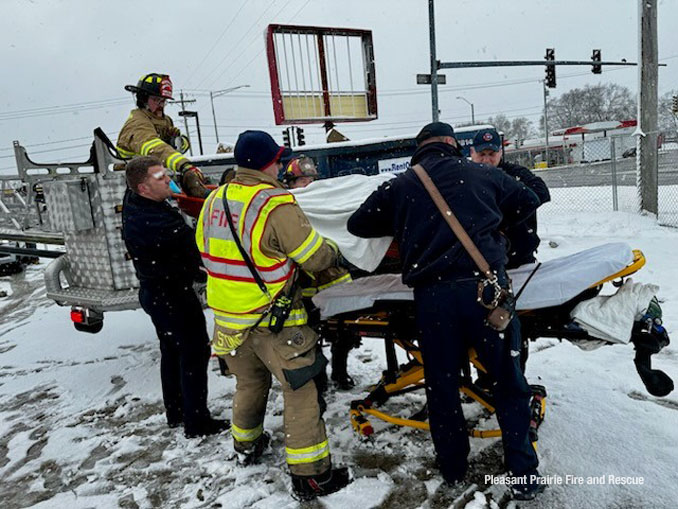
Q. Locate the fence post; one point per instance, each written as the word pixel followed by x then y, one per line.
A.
pixel 613 166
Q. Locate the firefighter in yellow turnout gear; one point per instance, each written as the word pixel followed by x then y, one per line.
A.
pixel 149 132
pixel 278 241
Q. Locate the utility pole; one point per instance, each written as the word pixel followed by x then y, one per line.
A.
pixel 647 131
pixel 435 113
pixel 546 120
pixel 193 114
pixel 183 114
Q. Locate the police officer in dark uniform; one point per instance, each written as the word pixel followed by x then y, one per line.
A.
pixel 445 282
pixel 167 262
pixel 522 238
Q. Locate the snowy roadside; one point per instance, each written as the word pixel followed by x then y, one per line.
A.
pixel 82 424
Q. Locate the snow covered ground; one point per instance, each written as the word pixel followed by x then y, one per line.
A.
pixel 82 423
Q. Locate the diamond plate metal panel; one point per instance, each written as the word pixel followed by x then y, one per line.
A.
pixel 89 259
pixel 69 204
pixel 110 192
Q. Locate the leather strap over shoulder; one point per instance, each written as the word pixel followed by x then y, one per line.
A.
pixel 452 221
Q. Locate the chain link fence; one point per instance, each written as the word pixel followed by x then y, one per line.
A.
pixel 600 174
pixel 667 177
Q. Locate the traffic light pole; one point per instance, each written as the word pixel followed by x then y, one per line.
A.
pixel 522 63
pixel 546 122
pixel 435 65
pixel 184 102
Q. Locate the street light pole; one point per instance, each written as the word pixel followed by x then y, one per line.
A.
pixel 473 114
pixel 219 93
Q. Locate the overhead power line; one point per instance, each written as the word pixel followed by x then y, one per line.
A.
pixel 100 101
pixel 52 150
pixel 193 72
pixel 227 56
pixel 256 55
pixel 60 110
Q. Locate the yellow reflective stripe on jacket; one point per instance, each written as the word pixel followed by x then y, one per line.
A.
pixel 343 279
pixel 241 322
pixel 150 145
pixel 246 435
pixel 175 162
pixel 312 290
pixel 308 454
pixel 307 248
pixel 124 153
pixel 309 292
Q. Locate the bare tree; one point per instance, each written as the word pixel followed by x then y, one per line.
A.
pixel 667 119
pixel 519 128
pixel 593 103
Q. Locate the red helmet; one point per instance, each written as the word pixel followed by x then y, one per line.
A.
pixel 301 166
pixel 155 84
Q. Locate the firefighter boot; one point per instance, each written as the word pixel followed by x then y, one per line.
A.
pixel 253 453
pixel 308 487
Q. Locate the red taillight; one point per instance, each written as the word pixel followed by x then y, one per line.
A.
pixel 78 316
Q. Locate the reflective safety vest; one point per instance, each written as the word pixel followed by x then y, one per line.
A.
pixel 232 292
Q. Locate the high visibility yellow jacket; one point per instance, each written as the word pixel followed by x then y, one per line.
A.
pixel 277 236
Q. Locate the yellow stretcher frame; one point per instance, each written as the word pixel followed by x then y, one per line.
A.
pixel 411 375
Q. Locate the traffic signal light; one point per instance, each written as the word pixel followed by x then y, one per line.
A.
pixel 674 105
pixel 300 137
pixel 286 138
pixel 550 79
pixel 596 68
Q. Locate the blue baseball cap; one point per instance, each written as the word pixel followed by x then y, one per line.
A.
pixel 487 139
pixel 257 150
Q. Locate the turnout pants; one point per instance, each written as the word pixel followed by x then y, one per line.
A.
pixel 292 358
pixel 184 352
pixel 450 321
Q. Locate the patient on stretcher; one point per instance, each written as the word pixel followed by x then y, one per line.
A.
pixel 561 300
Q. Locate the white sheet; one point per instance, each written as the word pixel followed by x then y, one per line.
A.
pixel 328 203
pixel 556 282
pixel 611 317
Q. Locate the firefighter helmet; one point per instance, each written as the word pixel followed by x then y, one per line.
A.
pixel 301 166
pixel 154 84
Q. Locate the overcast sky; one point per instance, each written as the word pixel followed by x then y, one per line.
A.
pixel 65 62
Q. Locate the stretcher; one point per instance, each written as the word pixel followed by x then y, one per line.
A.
pixel 388 313
pixel 381 306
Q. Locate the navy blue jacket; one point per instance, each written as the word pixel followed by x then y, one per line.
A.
pixel 523 240
pixel 160 242
pixel 483 198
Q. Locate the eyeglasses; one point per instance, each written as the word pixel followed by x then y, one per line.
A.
pixel 160 174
